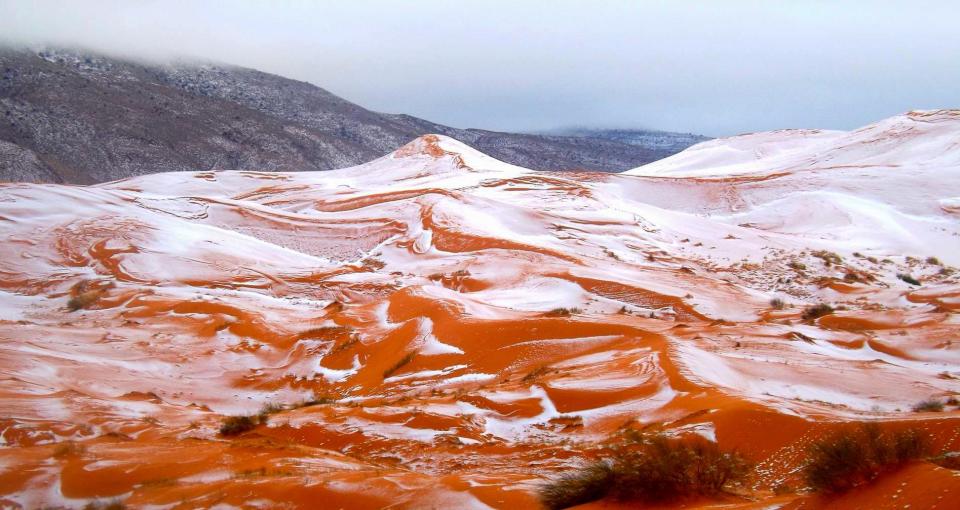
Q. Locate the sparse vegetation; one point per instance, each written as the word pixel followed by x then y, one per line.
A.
pixel 853 457
pixel 777 304
pixel 583 486
pixel 651 469
pixel 535 373
pixel 931 405
pixel 934 261
pixel 105 505
pixel 949 460
pixel 817 311
pixel 399 364
pixel 316 401
pixel 909 279
pixel 68 449
pixel 828 257
pixel 563 312
pixel 797 266
pixel 271 408
pixel 234 425
pixel 83 300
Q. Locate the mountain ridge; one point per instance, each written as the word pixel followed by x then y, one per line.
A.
pixel 71 116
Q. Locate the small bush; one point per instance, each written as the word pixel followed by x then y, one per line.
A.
pixel 316 401
pixel 798 266
pixel 271 408
pixel 562 312
pixel 234 425
pixel 777 304
pixel 571 489
pixel 83 300
pixel 817 311
pixel 105 505
pixel 909 279
pixel 934 261
pixel 828 257
pixel 856 456
pixel 399 364
pixel 949 460
pixel 651 469
pixel 536 373
pixel 68 449
pixel 929 405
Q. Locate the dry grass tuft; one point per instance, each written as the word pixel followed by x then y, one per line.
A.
pixel 927 406
pixel 817 311
pixel 235 425
pixel 653 469
pixel 854 457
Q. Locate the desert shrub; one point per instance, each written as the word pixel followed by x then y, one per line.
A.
pixel 271 408
pixel 853 457
pixel 828 257
pixel 316 401
pixel 949 460
pixel 234 425
pixel 562 312
pixel 399 364
pixel 799 266
pixel 583 486
pixel 909 279
pixel 68 449
pixel 105 505
pixel 817 311
pixel 650 469
pixel 83 300
pixel 933 261
pixel 929 405
pixel 777 304
pixel 536 373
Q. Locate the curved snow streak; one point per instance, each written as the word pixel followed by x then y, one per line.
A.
pixel 439 318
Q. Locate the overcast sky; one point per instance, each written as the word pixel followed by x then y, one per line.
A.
pixel 713 67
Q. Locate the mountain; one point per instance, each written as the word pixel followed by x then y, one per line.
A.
pixel 437 328
pixel 74 117
pixel 652 139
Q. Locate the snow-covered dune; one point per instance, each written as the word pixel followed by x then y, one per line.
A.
pixel 914 139
pixel 436 325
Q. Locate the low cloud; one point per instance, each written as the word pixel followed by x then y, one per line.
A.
pixel 710 67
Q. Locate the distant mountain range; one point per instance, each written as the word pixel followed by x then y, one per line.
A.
pixel 68 116
pixel 666 141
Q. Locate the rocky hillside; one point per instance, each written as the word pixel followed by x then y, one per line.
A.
pixel 665 141
pixel 72 117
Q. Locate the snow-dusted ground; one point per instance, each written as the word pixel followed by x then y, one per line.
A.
pixel 438 293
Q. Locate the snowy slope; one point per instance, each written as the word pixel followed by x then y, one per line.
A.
pixel 462 319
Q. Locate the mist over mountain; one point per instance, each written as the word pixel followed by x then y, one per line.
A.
pixel 70 116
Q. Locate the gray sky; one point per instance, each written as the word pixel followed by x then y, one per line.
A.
pixel 713 67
